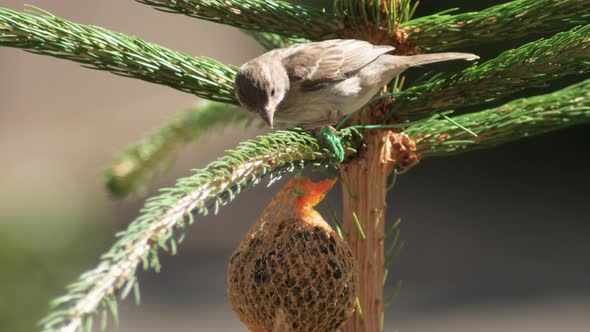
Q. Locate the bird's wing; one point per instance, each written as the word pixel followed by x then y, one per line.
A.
pixel 314 65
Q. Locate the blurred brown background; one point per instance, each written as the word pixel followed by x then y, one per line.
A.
pixel 497 240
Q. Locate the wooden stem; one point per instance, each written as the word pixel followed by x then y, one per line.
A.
pixel 364 193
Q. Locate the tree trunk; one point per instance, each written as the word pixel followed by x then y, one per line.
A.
pixel 365 195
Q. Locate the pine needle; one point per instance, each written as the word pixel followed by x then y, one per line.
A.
pixel 358 225
pixel 520 118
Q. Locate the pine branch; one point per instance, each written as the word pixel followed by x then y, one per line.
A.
pixel 138 165
pixel 97 48
pixel 271 41
pixel 383 16
pixel 497 24
pixel 259 15
pixel 531 65
pixel 515 120
pixel 212 186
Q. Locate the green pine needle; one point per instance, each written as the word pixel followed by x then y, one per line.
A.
pixel 40 32
pixel 393 243
pixel 393 255
pixel 358 225
pixel 337 224
pixel 531 65
pixel 512 121
pixel 363 13
pixel 279 17
pixel 467 130
pixel 393 227
pixel 270 41
pixel 138 165
pixel 498 24
pixel 391 297
pixel 165 215
pixel 359 309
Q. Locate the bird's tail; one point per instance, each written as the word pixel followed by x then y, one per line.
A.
pixel 424 59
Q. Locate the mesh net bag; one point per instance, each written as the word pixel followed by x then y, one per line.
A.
pixel 292 272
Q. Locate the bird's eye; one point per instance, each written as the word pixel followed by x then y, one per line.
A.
pixel 272 93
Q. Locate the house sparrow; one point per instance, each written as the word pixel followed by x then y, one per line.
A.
pixel 315 84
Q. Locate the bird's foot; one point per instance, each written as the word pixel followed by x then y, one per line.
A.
pixel 328 138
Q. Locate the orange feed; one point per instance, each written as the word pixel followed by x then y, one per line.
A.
pixel 292 272
pixel 310 193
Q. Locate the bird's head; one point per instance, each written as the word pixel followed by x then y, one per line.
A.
pixel 261 85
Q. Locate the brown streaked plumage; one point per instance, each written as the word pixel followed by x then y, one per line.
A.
pixel 315 84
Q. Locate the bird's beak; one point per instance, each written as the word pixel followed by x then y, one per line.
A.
pixel 267 115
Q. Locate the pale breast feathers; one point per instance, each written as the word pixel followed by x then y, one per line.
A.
pixel 312 65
